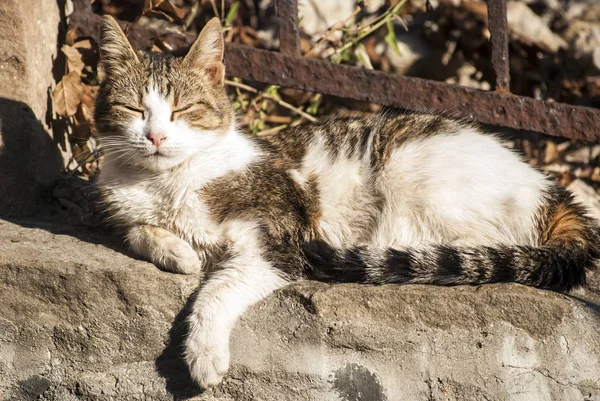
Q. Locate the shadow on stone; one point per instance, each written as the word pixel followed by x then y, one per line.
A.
pixel 354 382
pixel 170 364
pixel 590 303
pixel 29 159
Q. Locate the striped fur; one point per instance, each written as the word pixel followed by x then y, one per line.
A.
pixel 397 198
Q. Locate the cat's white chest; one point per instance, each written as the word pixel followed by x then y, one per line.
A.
pixel 167 202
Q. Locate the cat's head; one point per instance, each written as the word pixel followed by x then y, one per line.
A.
pixel 155 110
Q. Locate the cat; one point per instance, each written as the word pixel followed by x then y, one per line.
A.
pixel 400 197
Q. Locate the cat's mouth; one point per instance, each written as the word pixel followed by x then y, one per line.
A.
pixel 158 153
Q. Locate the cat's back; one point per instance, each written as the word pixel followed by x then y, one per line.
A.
pixel 369 138
pixel 411 177
pixel 340 162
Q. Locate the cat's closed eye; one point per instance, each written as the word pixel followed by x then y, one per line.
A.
pixel 133 110
pixel 190 108
pixel 176 113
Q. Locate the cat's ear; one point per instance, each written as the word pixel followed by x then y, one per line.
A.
pixel 116 52
pixel 207 51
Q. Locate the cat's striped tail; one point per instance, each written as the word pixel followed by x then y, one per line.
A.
pixel 569 246
pixel 550 267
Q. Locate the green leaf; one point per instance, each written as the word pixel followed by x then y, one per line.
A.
pixel 363 57
pixel 273 91
pixel 232 13
pixel 398 7
pixel 347 56
pixel 313 108
pixel 256 126
pixel 390 37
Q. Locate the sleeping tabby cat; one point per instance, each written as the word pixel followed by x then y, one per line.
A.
pixel 397 198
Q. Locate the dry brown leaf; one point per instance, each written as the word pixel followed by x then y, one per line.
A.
pixel 67 95
pixel 81 132
pixel 551 153
pixel 170 10
pixel 70 37
pixel 87 102
pixel 163 7
pixel 83 44
pixel 148 6
pixel 248 36
pixel 81 152
pixel 595 174
pixel 74 61
pixel 82 128
pixel 161 45
pixel 84 157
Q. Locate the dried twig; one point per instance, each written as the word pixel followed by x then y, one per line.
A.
pixel 334 28
pixel 271 131
pixel 278 119
pixel 267 96
pixel 214 7
pixel 401 21
pixel 191 16
pixel 388 15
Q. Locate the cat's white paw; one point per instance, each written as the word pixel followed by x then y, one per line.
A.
pixel 180 257
pixel 207 364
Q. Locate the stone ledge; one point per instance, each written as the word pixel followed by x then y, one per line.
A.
pixel 79 320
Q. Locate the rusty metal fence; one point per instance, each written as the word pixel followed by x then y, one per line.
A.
pixel 499 107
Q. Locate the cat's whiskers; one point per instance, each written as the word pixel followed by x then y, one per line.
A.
pixel 113 160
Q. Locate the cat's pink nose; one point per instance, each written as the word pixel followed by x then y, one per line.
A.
pixel 156 138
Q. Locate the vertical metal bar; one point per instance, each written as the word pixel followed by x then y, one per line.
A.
pixel 289 34
pixel 498 25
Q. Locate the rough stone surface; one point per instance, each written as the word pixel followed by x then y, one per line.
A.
pixel 80 320
pixel 30 158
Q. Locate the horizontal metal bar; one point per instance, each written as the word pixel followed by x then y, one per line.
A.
pixel 556 119
pixel 498 26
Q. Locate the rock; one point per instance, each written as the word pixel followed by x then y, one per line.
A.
pixel 584 40
pixel 581 155
pixel 587 10
pixel 414 52
pixel 317 16
pixel 87 319
pixel 586 195
pixel 80 320
pixel 530 28
pixel 30 158
pixel 467 75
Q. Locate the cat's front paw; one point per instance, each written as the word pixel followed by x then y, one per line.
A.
pixel 180 257
pixel 207 364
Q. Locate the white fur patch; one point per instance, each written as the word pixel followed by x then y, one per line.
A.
pixel 343 197
pixel 463 189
